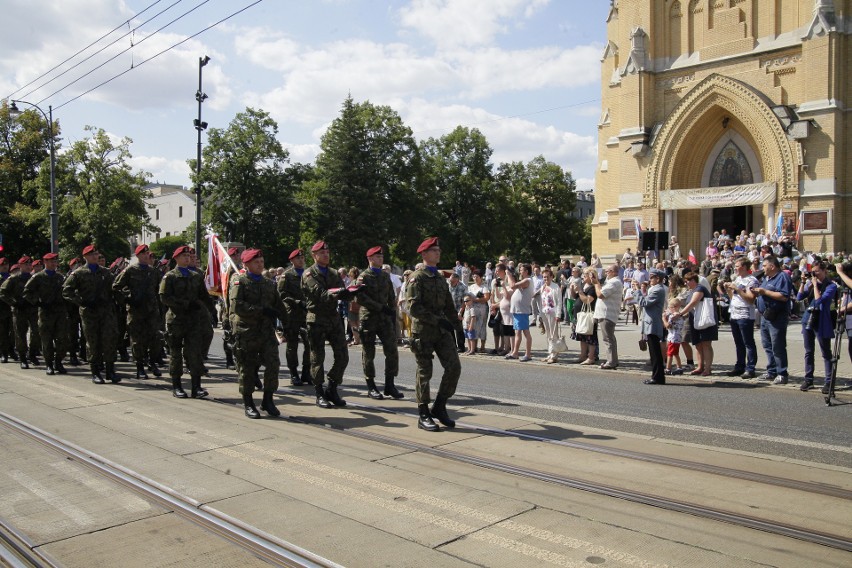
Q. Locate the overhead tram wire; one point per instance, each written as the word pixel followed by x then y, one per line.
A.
pixel 102 49
pixel 106 35
pixel 225 19
pixel 123 51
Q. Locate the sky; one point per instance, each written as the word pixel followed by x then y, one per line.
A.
pixel 526 73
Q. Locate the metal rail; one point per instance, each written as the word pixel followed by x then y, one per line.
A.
pixel 17 551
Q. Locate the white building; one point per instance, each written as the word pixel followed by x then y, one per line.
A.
pixel 172 209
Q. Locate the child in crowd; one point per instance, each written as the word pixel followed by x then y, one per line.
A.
pixel 674 323
pixel 469 324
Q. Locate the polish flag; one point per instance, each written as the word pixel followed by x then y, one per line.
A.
pixel 219 267
pixel 692 258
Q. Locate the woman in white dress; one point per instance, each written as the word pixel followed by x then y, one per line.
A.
pixel 551 314
pixel 481 300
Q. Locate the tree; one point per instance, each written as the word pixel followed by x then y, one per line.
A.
pixel 248 193
pixel 165 246
pixel 364 193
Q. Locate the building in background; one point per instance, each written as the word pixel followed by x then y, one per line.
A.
pixel 725 114
pixel 172 209
pixel 585 207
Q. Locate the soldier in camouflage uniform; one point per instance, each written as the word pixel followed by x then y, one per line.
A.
pixel 377 317
pixel 184 294
pixel 45 291
pixel 256 306
pixel 139 286
pixel 24 314
pixel 323 287
pixel 7 326
pixel 76 340
pixel 90 288
pixel 206 325
pixel 434 322
pixel 227 335
pixel 290 290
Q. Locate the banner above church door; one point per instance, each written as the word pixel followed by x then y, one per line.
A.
pixel 728 196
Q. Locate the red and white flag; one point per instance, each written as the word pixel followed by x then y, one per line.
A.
pixel 219 267
pixel 638 226
pixel 692 258
pixel 799 225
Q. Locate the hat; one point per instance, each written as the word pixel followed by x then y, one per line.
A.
pixel 250 254
pixel 25 260
pixel 49 256
pixel 233 251
pixel 141 249
pixel 374 250
pixel 3 261
pixel 91 249
pixel 163 262
pixel 14 267
pixel 116 262
pixel 295 253
pixel 657 272
pixel 427 244
pixel 73 262
pixel 37 262
pixel 180 250
pixel 319 245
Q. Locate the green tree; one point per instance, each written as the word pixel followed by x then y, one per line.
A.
pixel 248 192
pixel 364 192
pixel 165 246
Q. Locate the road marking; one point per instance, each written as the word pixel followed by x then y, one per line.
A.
pixel 53 498
pixel 112 492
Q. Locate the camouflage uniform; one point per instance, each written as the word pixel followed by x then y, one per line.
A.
pixel 24 315
pixel 255 306
pixel 92 292
pixel 324 323
pixel 290 290
pixel 378 301
pixel 206 324
pixel 184 294
pixel 45 291
pixel 7 326
pixel 139 286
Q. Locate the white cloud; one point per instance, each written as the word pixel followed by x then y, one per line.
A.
pixel 302 153
pixel 162 170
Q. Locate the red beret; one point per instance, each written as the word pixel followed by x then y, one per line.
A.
pixel 73 261
pixel 25 260
pixel 374 250
pixel 37 262
pixel 180 250
pixel 14 267
pixel 319 245
pixel 427 244
pixel 49 256
pixel 3 261
pixel 116 262
pixel 250 254
pixel 141 249
pixel 91 249
pixel 295 253
pixel 233 251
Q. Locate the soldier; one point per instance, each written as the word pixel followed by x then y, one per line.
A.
pixel 38 266
pixel 323 288
pixel 44 290
pixel 255 305
pixel 139 286
pixel 433 331
pixel 378 314
pixel 185 296
pixel 123 339
pixel 290 290
pixel 76 340
pixel 7 336
pixel 90 288
pixel 206 325
pixel 24 314
pixel 227 335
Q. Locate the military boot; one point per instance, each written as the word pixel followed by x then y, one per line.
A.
pixel 251 410
pixel 34 359
pixel 425 422
pixel 24 363
pixel 439 411
pixel 58 368
pixel 372 391
pixel 155 369
pixel 4 358
pixel 177 389
pixel 49 370
pixel 321 400
pixel 97 375
pixel 123 355
pixel 306 376
pixel 390 389
pixel 229 359
pixel 197 390
pixel 111 375
pixel 332 395
pixel 295 379
pixel 73 360
pixel 140 370
pixel 269 405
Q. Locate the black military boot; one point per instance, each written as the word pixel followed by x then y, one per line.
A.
pixel 83 356
pixel 155 369
pixel 140 370
pixel 425 422
pixel 24 363
pixel 73 360
pixel 251 410
pixel 177 389
pixel 4 358
pixel 123 355
pixel 269 405
pixel 439 411
pixel 372 391
pixel 111 375
pixel 49 370
pixel 34 359
pixel 197 390
pixel 390 389
pixel 97 375
pixel 321 400
pixel 229 359
pixel 306 376
pixel 58 368
pixel 295 379
pixel 332 395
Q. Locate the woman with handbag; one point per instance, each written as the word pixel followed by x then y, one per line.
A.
pixel 551 315
pixel 481 300
pixel 585 326
pixel 704 323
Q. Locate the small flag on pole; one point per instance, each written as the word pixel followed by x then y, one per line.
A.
pixel 638 229
pixel 692 258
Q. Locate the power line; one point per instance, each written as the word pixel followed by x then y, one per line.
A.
pixel 118 27
pixel 104 48
pixel 122 52
pixel 226 18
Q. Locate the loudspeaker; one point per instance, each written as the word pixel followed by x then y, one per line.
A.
pixel 648 241
pixel 662 240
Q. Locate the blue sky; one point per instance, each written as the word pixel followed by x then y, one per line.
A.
pixel 525 72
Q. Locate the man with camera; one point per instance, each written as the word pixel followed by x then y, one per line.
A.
pixel 773 303
pixel 819 291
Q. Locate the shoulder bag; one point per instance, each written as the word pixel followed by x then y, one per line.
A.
pixel 585 320
pixel 705 314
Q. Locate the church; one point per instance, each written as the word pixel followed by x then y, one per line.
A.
pixel 725 114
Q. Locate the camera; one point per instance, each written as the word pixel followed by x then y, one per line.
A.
pixel 813 314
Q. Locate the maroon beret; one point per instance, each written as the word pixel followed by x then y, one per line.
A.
pixel 233 251
pixel 295 253
pixel 73 262
pixel 141 249
pixel 3 261
pixel 49 256
pixel 25 260
pixel 427 244
pixel 319 245
pixel 180 250
pixel 116 262
pixel 250 254
pixel 374 250
pixel 37 262
pixel 14 267
pixel 91 249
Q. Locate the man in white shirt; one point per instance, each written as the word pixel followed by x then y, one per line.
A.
pixel 607 309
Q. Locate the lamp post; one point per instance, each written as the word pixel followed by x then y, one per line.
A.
pixel 200 96
pixel 54 216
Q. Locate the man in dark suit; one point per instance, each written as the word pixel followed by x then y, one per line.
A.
pixel 653 304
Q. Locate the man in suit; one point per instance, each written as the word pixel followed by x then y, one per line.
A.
pixel 654 302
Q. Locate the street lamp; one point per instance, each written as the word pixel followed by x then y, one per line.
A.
pixel 54 216
pixel 200 96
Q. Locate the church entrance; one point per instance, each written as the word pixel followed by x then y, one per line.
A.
pixel 733 219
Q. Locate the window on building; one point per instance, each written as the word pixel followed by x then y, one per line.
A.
pixel 157 215
pixel 157 237
pixel 180 211
pixel 168 234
